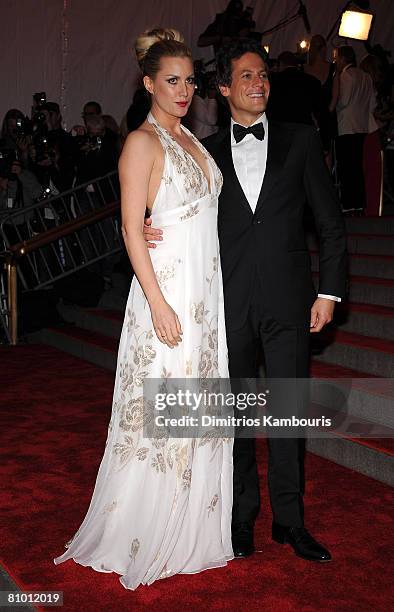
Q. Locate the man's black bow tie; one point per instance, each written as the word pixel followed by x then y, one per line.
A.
pixel 240 131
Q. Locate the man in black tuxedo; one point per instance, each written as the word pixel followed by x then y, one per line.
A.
pixel 271 171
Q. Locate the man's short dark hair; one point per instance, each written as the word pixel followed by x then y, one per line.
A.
pixel 96 106
pixel 287 58
pixel 234 51
pixel 51 107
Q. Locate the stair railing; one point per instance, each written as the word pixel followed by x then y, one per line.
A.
pixel 57 237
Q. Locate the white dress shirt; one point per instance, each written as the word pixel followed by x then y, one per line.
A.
pixel 356 102
pixel 250 161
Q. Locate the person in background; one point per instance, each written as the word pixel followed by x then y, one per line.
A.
pixel 54 158
pixel 90 109
pixel 203 114
pixel 295 97
pixel 354 100
pixel 323 70
pixel 225 26
pixel 12 139
pixel 98 151
pixel 373 166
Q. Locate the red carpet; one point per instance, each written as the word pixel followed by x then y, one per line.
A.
pixel 54 417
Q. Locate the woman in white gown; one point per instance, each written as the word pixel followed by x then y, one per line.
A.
pixel 163 506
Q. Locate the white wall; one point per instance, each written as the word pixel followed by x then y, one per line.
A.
pixel 77 50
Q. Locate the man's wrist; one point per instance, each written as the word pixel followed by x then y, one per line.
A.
pixel 334 298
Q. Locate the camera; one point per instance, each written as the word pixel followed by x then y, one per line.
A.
pixel 40 98
pixel 89 143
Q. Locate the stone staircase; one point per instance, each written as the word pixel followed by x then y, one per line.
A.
pixel 359 346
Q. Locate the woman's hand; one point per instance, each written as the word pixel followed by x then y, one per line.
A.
pixel 166 323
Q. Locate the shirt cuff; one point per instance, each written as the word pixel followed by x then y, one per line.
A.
pixel 329 297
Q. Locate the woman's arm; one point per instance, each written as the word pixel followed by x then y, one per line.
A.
pixel 136 164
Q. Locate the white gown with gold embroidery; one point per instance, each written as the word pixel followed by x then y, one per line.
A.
pixel 162 507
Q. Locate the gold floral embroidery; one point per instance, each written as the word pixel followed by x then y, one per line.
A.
pixel 214 272
pixel 194 179
pixel 197 311
pixel 142 453
pixel 125 450
pixel 159 463
pixel 166 273
pixel 133 416
pixel 186 479
pixel 134 548
pixel 213 503
pixel 192 210
pixel 189 367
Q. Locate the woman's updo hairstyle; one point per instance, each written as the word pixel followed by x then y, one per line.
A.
pixel 154 44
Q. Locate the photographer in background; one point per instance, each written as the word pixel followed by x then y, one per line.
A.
pixel 53 152
pixel 19 189
pixel 202 117
pixel 98 150
pixel 90 109
pixel 13 137
pixel 226 25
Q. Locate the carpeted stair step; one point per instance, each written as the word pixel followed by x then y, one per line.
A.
pixel 370 225
pixel 368 290
pixel 366 319
pixel 364 353
pixel 374 458
pixel 355 393
pixel 377 266
pixel 103 321
pixel 369 401
pixel 96 348
pixel 367 244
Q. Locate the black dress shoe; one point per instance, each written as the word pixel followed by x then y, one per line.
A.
pixel 302 542
pixel 242 537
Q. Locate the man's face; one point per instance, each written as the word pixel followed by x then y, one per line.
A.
pixel 95 130
pixel 249 90
pixel 88 111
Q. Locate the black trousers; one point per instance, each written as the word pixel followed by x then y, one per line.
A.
pixel 286 355
pixel 350 154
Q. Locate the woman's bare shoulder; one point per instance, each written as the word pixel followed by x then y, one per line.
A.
pixel 143 135
pixel 142 142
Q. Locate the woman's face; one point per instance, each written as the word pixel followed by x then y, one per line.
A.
pixel 172 88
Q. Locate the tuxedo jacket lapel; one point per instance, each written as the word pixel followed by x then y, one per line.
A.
pixel 278 147
pixel 224 159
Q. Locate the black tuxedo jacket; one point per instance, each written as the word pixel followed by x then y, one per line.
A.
pixel 269 246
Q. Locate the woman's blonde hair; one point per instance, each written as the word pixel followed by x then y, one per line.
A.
pixel 154 44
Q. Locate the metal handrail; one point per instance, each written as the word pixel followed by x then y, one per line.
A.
pixel 13 253
pixel 60 231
